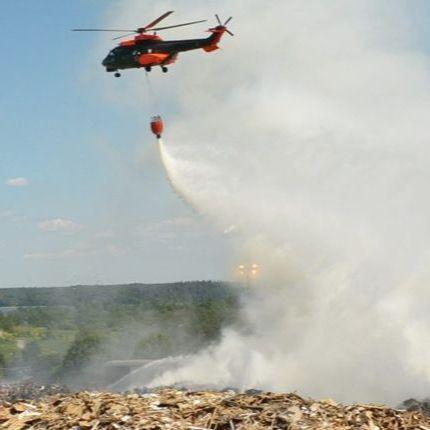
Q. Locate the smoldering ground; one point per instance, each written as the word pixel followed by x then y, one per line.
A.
pixel 308 133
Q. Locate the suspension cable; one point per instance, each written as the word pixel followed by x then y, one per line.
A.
pixel 152 99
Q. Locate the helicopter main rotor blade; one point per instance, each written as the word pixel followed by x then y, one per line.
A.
pixel 98 29
pixel 156 21
pixel 217 18
pixel 178 25
pixel 124 35
pixel 228 21
pixel 229 32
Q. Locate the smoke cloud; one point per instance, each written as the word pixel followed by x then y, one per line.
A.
pixel 309 133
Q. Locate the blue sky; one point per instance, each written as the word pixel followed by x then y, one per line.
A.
pixel 91 211
pixel 96 207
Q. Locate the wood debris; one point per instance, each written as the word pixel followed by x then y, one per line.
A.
pixel 172 409
pixel 29 390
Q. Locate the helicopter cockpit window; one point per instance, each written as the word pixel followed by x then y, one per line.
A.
pixel 115 51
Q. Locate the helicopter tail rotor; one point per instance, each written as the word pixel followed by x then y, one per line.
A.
pixel 222 26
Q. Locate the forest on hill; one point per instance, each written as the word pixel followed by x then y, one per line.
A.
pixel 64 334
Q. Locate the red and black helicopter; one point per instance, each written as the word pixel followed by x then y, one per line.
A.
pixel 149 50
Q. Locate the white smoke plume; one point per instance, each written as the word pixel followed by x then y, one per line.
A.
pixel 309 133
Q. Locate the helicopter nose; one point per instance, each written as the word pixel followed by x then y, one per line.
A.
pixel 108 61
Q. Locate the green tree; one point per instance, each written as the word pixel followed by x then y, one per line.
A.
pixel 85 346
pixel 157 345
pixel 3 365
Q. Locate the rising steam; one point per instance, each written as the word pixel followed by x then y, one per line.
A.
pixel 315 145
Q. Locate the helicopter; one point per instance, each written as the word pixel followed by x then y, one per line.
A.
pixel 150 50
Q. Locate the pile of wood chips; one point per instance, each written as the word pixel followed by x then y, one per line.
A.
pixel 173 409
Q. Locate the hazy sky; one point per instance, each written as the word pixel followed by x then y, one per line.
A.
pixel 82 195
